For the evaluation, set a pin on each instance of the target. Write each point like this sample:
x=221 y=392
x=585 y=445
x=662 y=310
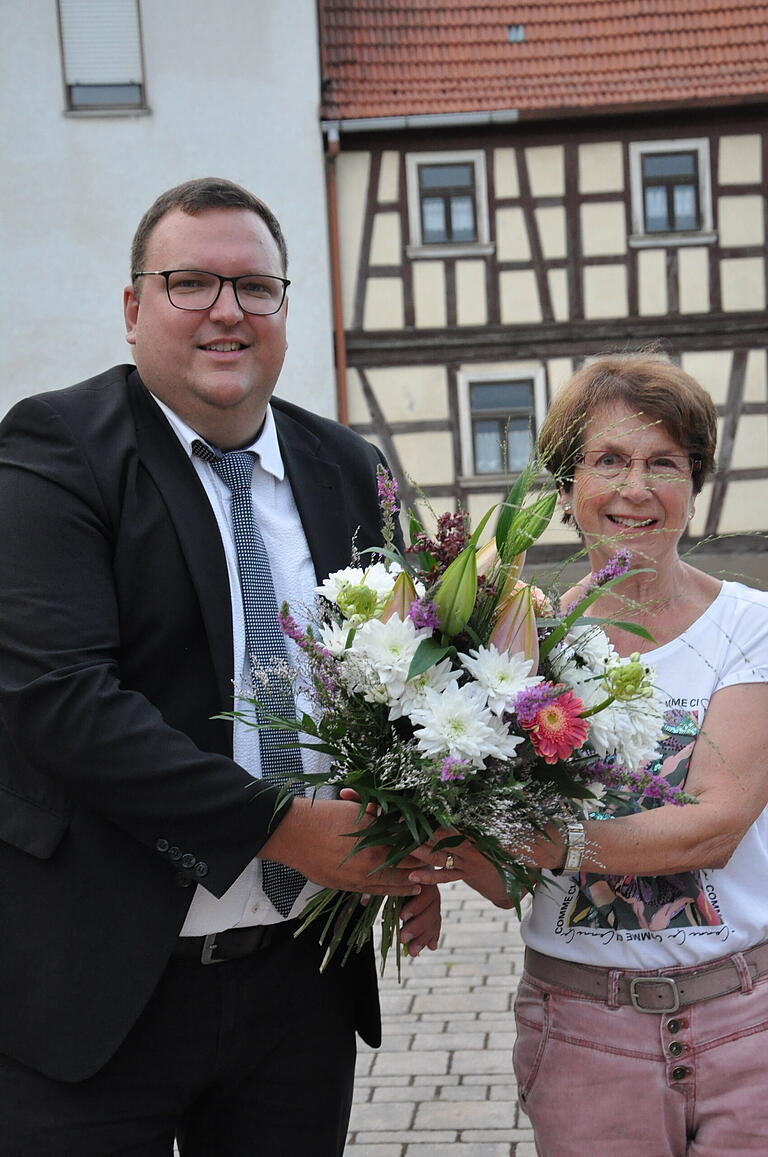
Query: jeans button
x=676 y=1049
x=679 y=1073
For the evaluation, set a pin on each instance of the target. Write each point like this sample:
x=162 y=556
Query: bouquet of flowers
x=450 y=694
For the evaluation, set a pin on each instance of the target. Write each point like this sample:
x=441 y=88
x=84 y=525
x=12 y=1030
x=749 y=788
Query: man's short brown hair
x=195 y=196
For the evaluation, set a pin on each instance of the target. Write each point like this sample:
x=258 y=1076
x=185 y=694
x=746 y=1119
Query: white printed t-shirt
x=647 y=922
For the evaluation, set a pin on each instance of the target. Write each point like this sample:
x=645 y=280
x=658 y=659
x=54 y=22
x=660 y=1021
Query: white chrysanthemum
x=376 y=577
x=377 y=662
x=590 y=643
x=456 y=722
x=630 y=731
x=435 y=678
x=334 y=637
x=500 y=675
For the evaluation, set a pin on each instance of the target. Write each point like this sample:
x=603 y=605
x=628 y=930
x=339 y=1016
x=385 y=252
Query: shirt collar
x=265 y=446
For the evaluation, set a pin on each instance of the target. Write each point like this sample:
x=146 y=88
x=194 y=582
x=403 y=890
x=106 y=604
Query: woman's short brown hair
x=647 y=383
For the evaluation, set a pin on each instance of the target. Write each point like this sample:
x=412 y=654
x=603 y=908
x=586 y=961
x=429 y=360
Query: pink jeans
x=613 y=1082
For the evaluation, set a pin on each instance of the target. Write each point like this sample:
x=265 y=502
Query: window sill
x=495 y=481
x=88 y=114
x=467 y=249
x=665 y=240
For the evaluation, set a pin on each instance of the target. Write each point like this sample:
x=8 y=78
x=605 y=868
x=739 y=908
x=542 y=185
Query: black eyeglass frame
x=166 y=273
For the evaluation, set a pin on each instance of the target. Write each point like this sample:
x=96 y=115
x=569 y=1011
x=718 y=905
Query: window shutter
x=101 y=42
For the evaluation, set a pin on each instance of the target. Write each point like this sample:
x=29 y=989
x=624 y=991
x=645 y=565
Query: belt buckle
x=633 y=995
x=208 y=949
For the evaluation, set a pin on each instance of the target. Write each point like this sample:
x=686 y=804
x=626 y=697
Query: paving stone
x=423 y=1041
x=481 y=1061
x=389 y=1064
x=477 y=1001
x=378 y=1150
x=467 y=1115
x=438 y=1137
x=377 y=1116
x=429 y=1092
x=460 y=1149
x=500 y=1136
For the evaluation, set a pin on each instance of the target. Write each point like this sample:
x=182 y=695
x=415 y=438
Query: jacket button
x=174 y=853
x=676 y=1048
x=162 y=846
x=673 y=1026
x=201 y=869
x=679 y=1073
x=184 y=881
x=187 y=860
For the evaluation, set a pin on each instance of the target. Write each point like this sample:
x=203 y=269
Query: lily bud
x=403 y=594
x=489 y=563
x=456 y=592
x=514 y=626
x=512 y=578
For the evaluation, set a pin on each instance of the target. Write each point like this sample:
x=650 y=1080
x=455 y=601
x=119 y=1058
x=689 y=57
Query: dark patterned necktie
x=265 y=647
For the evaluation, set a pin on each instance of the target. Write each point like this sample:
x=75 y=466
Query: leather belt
x=655 y=992
x=235 y=943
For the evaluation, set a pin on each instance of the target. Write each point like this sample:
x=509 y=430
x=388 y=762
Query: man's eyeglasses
x=661 y=467
x=258 y=293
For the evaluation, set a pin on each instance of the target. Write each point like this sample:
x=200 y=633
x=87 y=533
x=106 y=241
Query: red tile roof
x=384 y=58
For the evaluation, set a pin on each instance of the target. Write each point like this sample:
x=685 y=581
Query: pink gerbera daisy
x=557 y=728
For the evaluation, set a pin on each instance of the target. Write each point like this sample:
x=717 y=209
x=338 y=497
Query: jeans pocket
x=533 y=1018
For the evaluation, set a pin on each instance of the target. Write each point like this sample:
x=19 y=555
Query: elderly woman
x=642 y=1013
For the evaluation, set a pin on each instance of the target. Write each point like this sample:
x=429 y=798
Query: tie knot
x=235 y=468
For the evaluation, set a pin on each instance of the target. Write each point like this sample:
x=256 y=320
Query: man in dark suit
x=150 y=984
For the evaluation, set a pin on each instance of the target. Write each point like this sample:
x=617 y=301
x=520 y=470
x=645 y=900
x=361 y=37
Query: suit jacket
x=118 y=791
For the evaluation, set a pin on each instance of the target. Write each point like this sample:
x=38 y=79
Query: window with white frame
x=671 y=191
x=499 y=420
x=101 y=54
x=447 y=202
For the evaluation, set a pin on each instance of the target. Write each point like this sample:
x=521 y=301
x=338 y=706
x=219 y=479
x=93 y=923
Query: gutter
x=501 y=116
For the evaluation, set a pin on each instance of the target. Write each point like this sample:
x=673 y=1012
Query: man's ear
x=130 y=313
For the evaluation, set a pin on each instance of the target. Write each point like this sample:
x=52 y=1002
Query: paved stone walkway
x=443 y=1076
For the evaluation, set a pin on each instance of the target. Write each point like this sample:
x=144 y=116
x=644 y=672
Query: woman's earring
x=691 y=512
x=567 y=507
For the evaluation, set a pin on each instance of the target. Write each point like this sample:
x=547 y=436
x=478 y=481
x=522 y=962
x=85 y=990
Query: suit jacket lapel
x=190 y=511
x=318 y=491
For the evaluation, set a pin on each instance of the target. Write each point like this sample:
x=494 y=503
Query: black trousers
x=245 y=1058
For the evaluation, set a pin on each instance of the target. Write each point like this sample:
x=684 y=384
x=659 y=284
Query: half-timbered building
x=514 y=187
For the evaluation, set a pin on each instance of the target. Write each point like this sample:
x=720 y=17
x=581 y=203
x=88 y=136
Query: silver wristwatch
x=575 y=845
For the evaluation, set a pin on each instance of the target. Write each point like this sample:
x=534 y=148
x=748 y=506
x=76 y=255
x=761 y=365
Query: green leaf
x=415 y=528
x=428 y=653
x=531 y=524
x=394 y=555
x=512 y=506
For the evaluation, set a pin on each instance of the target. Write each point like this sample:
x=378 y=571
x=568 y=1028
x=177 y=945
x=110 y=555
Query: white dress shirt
x=293 y=575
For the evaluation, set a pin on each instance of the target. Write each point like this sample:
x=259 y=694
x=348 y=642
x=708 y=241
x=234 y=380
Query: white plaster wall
x=505 y=173
x=693 y=276
x=471 y=298
x=385 y=239
x=601 y=167
x=233 y=92
x=652 y=277
x=429 y=294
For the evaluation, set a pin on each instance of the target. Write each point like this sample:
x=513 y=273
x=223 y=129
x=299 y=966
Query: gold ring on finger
x=450 y=863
